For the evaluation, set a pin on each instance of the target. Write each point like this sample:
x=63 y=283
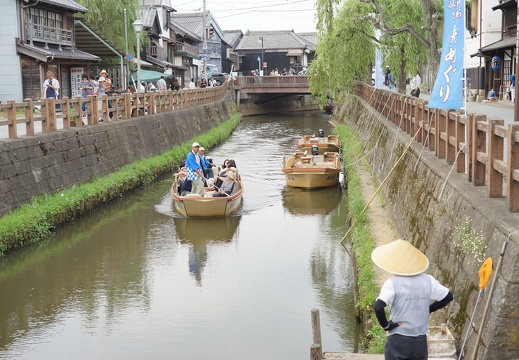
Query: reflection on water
x=198 y=233
x=134 y=281
x=318 y=201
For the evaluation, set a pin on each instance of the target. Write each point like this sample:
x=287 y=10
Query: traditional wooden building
x=39 y=37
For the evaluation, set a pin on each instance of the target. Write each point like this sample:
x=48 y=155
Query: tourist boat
x=313 y=171
x=193 y=205
x=330 y=143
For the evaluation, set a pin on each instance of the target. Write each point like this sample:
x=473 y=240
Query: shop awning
x=489 y=50
x=296 y=52
x=148 y=75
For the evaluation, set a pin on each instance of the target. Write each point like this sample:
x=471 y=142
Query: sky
x=297 y=15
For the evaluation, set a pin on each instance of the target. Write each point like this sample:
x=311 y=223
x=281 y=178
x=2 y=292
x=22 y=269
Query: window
x=44 y=18
x=472 y=16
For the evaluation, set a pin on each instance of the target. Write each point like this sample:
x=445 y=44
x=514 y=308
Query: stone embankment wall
x=446 y=216
x=49 y=162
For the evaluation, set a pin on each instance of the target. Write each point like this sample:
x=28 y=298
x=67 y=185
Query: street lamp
x=137 y=27
x=262 y=56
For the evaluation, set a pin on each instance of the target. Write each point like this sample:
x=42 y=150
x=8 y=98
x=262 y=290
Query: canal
x=134 y=280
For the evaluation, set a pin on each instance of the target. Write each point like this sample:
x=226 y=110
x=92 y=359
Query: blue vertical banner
x=448 y=87
x=379 y=74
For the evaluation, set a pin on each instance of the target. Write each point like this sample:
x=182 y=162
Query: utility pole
x=128 y=72
x=204 y=44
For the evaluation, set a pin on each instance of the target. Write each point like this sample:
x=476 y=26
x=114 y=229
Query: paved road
x=501 y=109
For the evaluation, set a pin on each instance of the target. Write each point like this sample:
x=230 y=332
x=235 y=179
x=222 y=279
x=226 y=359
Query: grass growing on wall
x=35 y=221
x=362 y=241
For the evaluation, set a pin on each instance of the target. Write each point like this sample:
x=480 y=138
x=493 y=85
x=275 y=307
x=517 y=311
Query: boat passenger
x=228 y=185
x=207 y=165
x=223 y=167
x=180 y=177
x=194 y=170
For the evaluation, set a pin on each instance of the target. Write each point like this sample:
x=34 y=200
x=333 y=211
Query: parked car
x=220 y=78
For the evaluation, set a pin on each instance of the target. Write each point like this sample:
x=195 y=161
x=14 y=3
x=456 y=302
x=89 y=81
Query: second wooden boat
x=312 y=171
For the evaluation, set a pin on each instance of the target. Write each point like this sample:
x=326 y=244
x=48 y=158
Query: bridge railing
x=485 y=149
x=50 y=115
x=278 y=81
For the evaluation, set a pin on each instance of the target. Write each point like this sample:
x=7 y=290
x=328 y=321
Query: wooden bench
x=306 y=159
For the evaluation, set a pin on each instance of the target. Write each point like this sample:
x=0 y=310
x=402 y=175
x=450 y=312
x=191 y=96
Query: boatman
x=194 y=170
x=408 y=294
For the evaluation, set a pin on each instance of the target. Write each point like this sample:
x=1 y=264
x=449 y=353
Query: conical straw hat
x=400 y=257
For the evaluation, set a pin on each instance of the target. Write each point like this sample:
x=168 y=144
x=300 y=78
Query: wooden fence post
x=11 y=119
x=461 y=131
x=479 y=145
x=29 y=117
x=512 y=185
x=66 y=113
x=495 y=152
x=441 y=133
x=316 y=329
x=315 y=352
x=450 y=132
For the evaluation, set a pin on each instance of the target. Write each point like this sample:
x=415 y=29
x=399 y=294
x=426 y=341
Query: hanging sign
x=448 y=87
x=495 y=63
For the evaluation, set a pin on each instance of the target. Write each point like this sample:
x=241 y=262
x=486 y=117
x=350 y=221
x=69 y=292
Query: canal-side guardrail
x=483 y=148
x=47 y=112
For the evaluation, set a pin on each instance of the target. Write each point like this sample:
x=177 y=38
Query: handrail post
x=11 y=119
x=479 y=144
x=29 y=118
x=512 y=185
x=460 y=140
x=51 y=111
x=495 y=152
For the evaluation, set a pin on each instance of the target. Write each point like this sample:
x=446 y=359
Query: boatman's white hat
x=195 y=144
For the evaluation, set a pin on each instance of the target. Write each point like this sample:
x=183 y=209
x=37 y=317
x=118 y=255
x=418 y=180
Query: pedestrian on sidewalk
x=50 y=88
x=408 y=293
x=107 y=86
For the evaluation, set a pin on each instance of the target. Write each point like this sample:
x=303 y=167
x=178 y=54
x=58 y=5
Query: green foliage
x=362 y=241
x=107 y=19
x=35 y=221
x=344 y=51
x=349 y=31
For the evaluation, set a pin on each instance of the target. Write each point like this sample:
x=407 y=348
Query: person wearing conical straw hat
x=408 y=293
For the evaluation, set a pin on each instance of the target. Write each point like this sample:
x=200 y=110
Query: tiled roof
x=193 y=23
x=232 y=37
x=158 y=3
x=66 y=4
x=55 y=53
x=148 y=17
x=310 y=37
x=190 y=22
x=273 y=40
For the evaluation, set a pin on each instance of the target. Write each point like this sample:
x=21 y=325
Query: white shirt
x=409 y=298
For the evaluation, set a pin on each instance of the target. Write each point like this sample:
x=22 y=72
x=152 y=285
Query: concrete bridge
x=268 y=94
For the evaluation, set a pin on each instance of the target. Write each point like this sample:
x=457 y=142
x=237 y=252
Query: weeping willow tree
x=107 y=19
x=345 y=49
x=406 y=31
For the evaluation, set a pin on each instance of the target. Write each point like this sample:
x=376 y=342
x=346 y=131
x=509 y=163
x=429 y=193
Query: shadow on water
x=318 y=201
x=199 y=233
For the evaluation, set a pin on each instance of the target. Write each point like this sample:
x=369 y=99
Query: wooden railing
x=36 y=32
x=125 y=106
x=488 y=151
x=279 y=81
